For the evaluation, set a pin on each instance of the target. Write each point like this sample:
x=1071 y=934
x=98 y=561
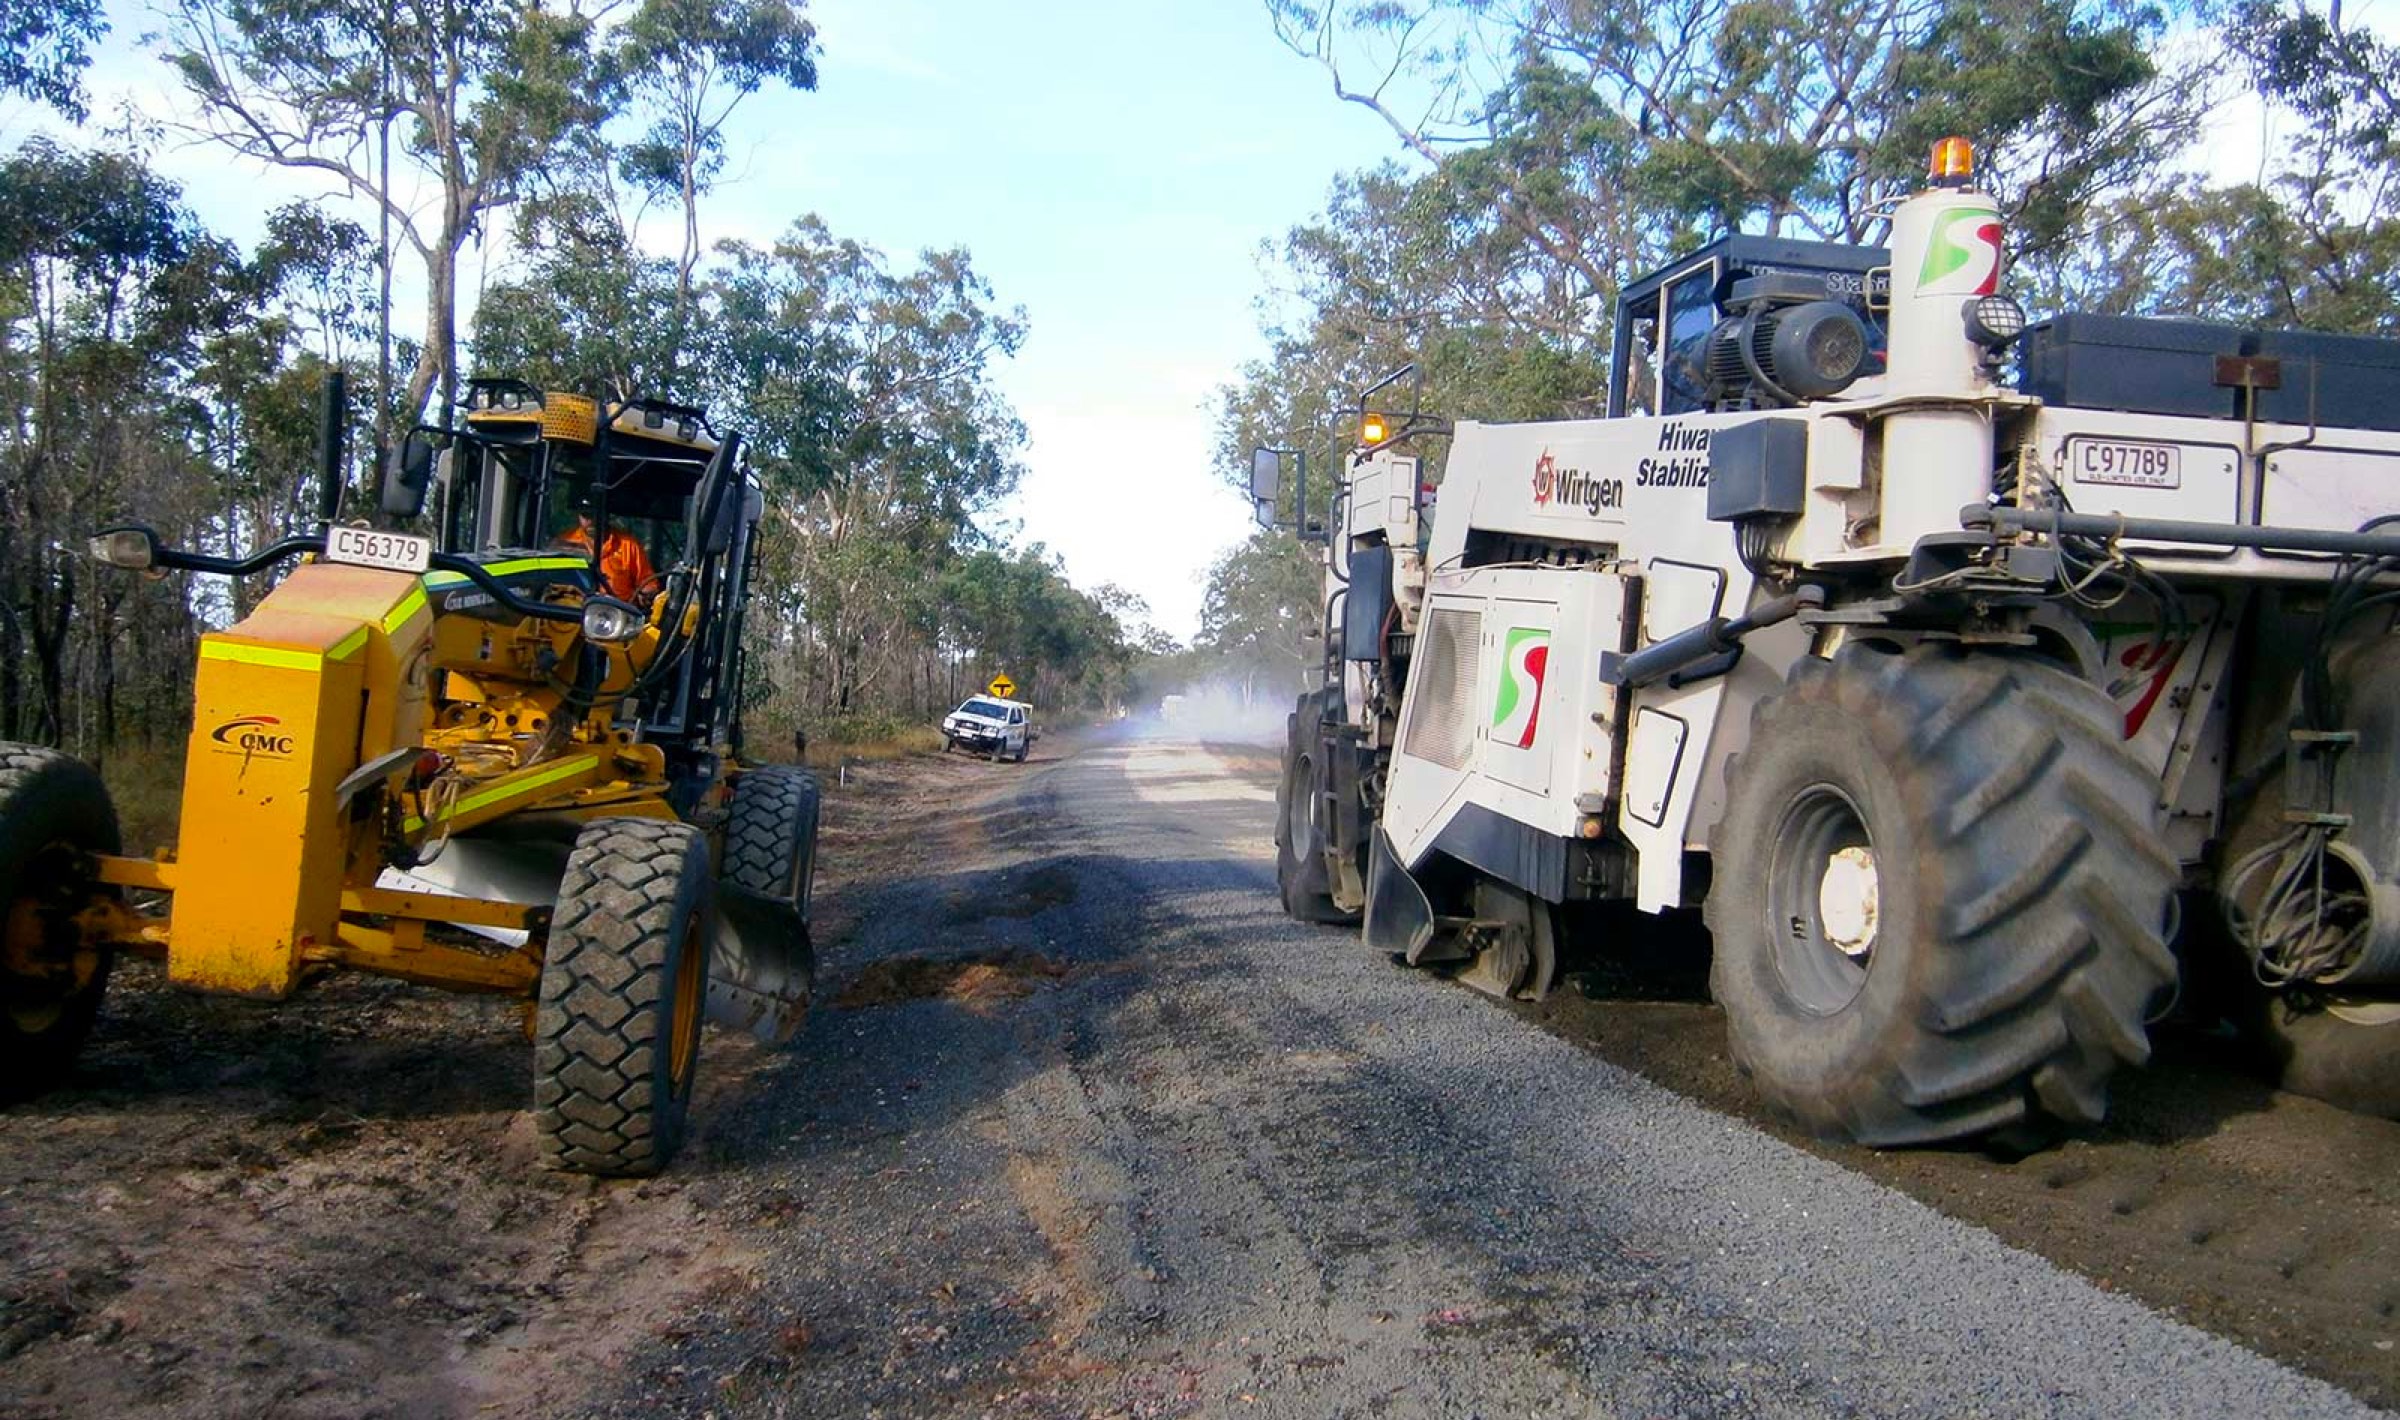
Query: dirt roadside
x=2262 y=1216
x=332 y=1207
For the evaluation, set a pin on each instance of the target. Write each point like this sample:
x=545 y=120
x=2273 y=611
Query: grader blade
x=762 y=969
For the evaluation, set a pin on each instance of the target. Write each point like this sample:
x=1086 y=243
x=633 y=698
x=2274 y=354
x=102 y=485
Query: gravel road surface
x=1103 y=1133
x=1085 y=1127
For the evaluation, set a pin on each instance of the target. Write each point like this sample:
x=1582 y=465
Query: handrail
x=275 y=552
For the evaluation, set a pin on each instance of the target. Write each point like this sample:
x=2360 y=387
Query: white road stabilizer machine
x=1987 y=717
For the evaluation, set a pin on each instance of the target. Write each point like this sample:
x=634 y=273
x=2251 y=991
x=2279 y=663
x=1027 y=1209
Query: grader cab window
x=1681 y=355
x=485 y=504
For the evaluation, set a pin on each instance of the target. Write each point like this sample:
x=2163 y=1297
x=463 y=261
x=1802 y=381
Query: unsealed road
x=1227 y=1165
x=1088 y=1128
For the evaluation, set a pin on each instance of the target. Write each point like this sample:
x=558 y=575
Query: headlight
x=1994 y=321
x=134 y=549
x=609 y=621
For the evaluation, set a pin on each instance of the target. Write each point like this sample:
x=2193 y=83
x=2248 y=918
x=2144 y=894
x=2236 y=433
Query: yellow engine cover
x=326 y=673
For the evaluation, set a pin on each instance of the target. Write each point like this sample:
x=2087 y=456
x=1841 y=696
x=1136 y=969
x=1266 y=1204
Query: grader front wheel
x=623 y=990
x=53 y=812
x=1938 y=897
x=771 y=834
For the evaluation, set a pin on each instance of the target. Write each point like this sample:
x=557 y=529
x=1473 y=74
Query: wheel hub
x=691 y=985
x=1824 y=896
x=1848 y=901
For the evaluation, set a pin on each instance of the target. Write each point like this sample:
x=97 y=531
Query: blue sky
x=1112 y=165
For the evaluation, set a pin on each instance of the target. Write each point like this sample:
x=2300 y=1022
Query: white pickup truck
x=1000 y=728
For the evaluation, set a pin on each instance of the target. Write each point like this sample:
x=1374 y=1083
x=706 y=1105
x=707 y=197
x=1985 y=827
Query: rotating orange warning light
x=1953 y=161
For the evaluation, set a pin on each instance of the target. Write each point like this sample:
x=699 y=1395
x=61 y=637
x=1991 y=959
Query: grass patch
x=852 y=738
x=826 y=754
x=146 y=785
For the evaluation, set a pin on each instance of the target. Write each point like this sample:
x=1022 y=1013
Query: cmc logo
x=254 y=734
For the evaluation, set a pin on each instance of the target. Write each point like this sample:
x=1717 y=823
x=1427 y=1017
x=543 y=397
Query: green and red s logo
x=1524 y=658
x=1962 y=256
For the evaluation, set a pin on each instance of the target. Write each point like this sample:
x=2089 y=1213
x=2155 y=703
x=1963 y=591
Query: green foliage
x=480 y=99
x=45 y=45
x=2345 y=82
x=149 y=372
x=1261 y=620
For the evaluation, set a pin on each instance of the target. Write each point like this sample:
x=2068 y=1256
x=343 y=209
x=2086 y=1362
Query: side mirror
x=1266 y=484
x=133 y=547
x=407 y=473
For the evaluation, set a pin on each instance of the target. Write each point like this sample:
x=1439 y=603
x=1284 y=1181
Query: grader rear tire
x=53 y=810
x=771 y=834
x=1938 y=897
x=624 y=982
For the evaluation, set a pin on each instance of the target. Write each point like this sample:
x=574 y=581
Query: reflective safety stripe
x=409 y=606
x=282 y=657
x=244 y=654
x=566 y=769
x=510 y=569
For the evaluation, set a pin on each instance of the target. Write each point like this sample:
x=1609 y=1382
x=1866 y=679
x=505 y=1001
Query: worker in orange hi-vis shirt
x=625 y=571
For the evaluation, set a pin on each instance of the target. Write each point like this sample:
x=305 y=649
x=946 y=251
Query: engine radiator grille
x=1441 y=724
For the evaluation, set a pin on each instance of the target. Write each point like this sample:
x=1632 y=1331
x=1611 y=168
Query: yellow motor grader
x=466 y=761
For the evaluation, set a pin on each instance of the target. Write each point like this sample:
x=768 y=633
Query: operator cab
x=528 y=461
x=1665 y=321
x=531 y=459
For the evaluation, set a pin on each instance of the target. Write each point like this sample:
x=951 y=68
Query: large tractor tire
x=1938 y=897
x=624 y=986
x=53 y=812
x=771 y=834
x=1300 y=873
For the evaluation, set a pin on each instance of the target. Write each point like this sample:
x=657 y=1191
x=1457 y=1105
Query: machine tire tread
x=1301 y=877
x=771 y=834
x=2035 y=972
x=47 y=796
x=604 y=1016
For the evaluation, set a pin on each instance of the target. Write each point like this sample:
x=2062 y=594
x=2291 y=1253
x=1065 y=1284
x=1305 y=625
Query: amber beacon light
x=1953 y=162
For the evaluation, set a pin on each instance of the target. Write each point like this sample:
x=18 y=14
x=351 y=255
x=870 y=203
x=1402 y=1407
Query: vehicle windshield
x=990 y=709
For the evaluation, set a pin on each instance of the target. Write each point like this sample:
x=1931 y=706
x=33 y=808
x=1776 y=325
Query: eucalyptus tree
x=477 y=98
x=688 y=65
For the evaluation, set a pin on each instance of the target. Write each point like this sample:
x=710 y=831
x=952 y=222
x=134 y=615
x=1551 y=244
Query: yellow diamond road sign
x=1003 y=687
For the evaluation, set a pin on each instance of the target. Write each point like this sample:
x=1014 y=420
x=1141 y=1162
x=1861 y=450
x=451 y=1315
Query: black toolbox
x=2149 y=365
x=2139 y=364
x=2355 y=380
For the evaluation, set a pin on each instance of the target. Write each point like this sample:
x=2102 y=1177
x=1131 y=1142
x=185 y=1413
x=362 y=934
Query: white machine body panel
x=1534 y=514
x=1505 y=709
x=2191 y=470
x=1625 y=501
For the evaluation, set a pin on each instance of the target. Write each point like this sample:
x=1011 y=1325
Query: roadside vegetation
x=154 y=370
